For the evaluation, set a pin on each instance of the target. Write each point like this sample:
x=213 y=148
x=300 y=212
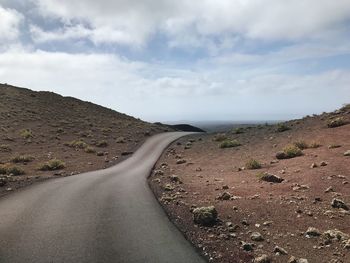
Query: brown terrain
x=45 y=135
x=256 y=217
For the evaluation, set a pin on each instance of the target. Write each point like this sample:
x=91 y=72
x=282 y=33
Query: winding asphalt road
x=109 y=215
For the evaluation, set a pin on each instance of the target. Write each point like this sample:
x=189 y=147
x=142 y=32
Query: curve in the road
x=109 y=215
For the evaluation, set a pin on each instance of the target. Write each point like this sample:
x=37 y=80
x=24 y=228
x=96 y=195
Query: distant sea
x=222 y=126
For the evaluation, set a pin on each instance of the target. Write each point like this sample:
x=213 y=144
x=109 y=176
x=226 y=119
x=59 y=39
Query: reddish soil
x=54 y=121
x=209 y=169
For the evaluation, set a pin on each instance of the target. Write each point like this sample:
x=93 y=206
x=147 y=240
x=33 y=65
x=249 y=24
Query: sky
x=198 y=60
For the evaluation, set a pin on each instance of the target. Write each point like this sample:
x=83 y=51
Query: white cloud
x=189 y=22
x=173 y=93
x=10 y=21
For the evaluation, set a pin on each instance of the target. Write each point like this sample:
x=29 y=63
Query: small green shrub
x=292 y=151
x=5 y=148
x=90 y=149
x=333 y=146
x=281 y=127
x=337 y=122
x=15 y=170
x=22 y=159
x=229 y=143
x=11 y=170
x=77 y=144
x=301 y=145
x=106 y=130
x=120 y=140
x=102 y=143
x=253 y=164
x=346 y=107
x=52 y=165
x=220 y=137
x=26 y=134
x=314 y=144
x=239 y=130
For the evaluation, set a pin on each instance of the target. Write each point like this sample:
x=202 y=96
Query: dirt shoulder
x=71 y=135
x=278 y=220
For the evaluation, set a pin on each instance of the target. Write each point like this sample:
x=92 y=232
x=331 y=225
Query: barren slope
x=258 y=214
x=37 y=127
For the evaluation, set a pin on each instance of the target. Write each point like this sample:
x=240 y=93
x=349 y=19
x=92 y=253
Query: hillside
x=43 y=135
x=265 y=193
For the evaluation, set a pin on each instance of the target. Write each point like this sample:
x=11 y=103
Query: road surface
x=109 y=215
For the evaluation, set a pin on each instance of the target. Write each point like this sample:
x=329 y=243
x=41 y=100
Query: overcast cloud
x=175 y=60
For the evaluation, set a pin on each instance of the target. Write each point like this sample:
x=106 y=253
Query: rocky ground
x=237 y=202
x=44 y=135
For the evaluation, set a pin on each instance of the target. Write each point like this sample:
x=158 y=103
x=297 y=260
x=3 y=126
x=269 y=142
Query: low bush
x=77 y=144
x=11 y=170
x=301 y=144
x=337 y=122
x=253 y=164
x=90 y=149
x=5 y=148
x=333 y=146
x=229 y=144
x=22 y=159
x=238 y=130
x=52 y=165
x=26 y=134
x=281 y=127
x=314 y=144
x=102 y=143
x=220 y=137
x=292 y=151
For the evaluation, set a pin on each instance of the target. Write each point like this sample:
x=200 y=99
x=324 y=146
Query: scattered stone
x=168 y=187
x=229 y=224
x=233 y=228
x=245 y=222
x=347 y=153
x=280 y=250
x=267 y=223
x=312 y=232
x=157 y=180
x=174 y=178
x=262 y=259
x=225 y=187
x=256 y=236
x=271 y=178
x=224 y=196
x=3 y=181
x=329 y=189
x=205 y=216
x=180 y=161
x=337 y=203
x=323 y=163
x=347 y=244
x=158 y=173
x=313 y=165
x=247 y=246
x=298 y=187
x=335 y=234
